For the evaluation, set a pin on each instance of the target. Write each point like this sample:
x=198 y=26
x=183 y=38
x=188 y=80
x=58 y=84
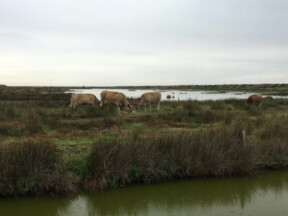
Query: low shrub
x=275 y=127
x=5 y=128
x=8 y=112
x=192 y=107
x=254 y=110
x=272 y=153
x=9 y=129
x=32 y=122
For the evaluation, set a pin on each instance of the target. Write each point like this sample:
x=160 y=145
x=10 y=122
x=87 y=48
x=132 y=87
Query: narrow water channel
x=262 y=194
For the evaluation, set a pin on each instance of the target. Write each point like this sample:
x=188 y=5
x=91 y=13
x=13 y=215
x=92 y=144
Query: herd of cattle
x=118 y=98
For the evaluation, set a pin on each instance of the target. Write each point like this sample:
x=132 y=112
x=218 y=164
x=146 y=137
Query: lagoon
x=175 y=94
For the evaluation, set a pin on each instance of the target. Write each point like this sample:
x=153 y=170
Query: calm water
x=264 y=194
x=175 y=95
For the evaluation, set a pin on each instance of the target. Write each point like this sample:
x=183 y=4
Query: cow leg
x=74 y=105
x=145 y=107
x=150 y=106
x=71 y=103
x=159 y=106
x=119 y=111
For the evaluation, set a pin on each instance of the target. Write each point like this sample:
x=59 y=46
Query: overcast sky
x=147 y=42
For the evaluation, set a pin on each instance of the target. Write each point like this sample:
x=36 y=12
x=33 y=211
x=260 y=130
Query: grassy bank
x=44 y=147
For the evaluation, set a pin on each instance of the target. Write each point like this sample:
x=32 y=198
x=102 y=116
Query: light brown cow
x=118 y=98
x=254 y=99
x=150 y=98
x=81 y=99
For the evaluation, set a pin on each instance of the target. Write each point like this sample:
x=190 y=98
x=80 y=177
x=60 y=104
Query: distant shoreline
x=266 y=89
x=224 y=86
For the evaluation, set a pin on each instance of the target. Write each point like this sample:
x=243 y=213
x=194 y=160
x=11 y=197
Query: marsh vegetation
x=47 y=149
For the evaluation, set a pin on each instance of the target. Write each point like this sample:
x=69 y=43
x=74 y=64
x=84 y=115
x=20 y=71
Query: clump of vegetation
x=31 y=167
x=153 y=157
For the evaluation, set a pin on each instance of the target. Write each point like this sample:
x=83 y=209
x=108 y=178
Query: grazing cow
x=118 y=98
x=81 y=99
x=254 y=99
x=148 y=98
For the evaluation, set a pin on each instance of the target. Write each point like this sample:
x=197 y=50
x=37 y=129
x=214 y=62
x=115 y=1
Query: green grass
x=47 y=130
x=74 y=145
x=9 y=140
x=135 y=125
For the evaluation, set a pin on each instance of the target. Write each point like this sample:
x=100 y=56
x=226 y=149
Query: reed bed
x=154 y=156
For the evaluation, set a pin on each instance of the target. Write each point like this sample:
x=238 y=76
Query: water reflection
x=256 y=195
x=189 y=196
x=45 y=206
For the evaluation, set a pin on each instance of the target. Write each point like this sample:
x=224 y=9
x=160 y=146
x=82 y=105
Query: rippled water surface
x=263 y=194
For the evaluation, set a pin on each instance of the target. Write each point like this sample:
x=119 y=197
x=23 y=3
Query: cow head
x=129 y=108
x=136 y=106
x=249 y=101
